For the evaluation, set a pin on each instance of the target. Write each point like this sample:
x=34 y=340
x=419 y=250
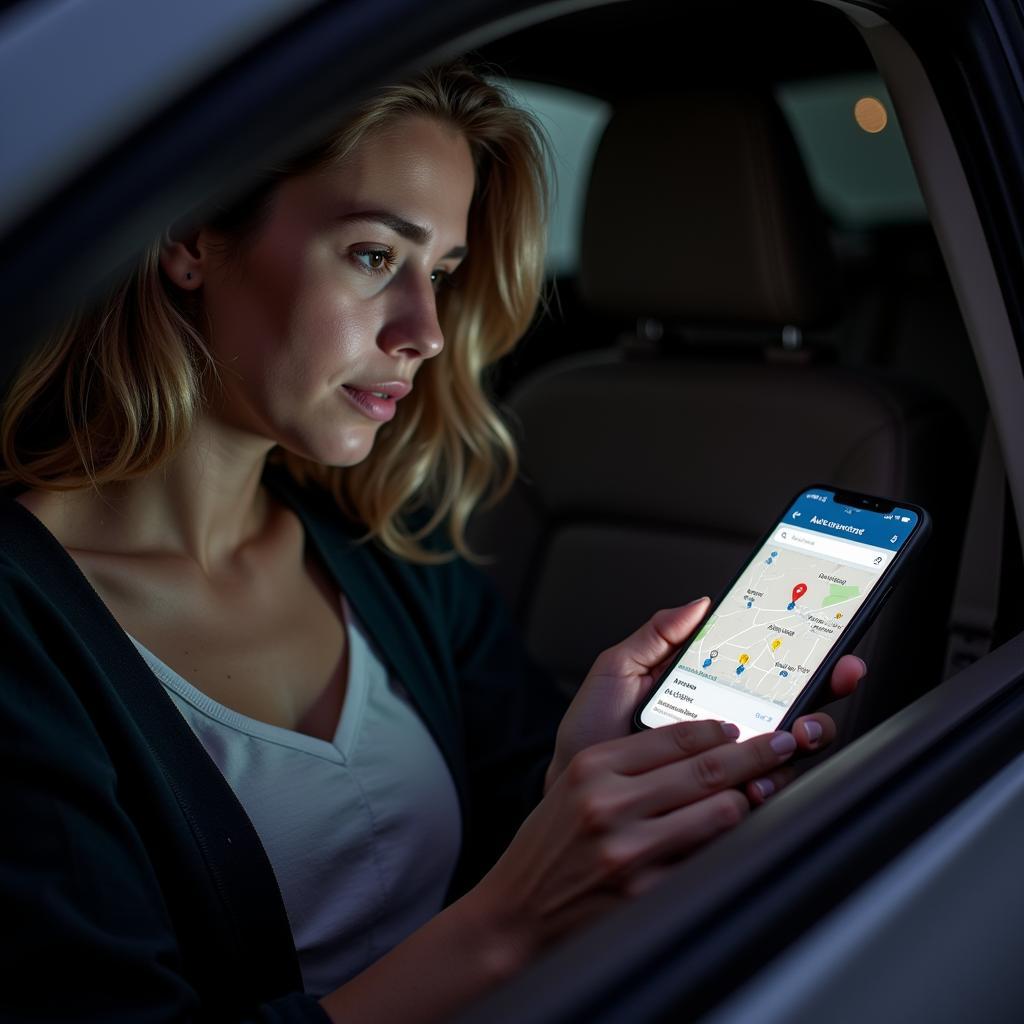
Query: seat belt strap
x=976 y=598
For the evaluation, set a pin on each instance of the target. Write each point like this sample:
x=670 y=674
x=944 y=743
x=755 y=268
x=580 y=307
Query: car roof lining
x=657 y=48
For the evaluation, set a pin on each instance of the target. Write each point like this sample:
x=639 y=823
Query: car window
x=844 y=126
x=853 y=149
x=574 y=123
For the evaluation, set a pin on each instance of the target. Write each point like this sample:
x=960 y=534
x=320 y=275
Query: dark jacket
x=134 y=887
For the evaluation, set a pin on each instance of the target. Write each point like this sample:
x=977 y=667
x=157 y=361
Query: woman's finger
x=849 y=671
x=673 y=835
x=645 y=751
x=653 y=642
x=718 y=768
x=645 y=879
x=767 y=786
x=814 y=732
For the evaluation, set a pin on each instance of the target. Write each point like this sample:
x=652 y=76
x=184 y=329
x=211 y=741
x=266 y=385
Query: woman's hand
x=615 y=819
x=623 y=675
x=613 y=822
x=621 y=807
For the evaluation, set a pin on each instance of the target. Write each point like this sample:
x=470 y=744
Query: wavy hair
x=116 y=389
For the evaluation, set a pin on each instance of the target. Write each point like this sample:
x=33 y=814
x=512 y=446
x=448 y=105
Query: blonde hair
x=116 y=389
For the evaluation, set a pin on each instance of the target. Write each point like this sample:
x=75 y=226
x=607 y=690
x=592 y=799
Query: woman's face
x=324 y=317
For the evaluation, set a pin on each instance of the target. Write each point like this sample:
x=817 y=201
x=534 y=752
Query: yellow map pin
x=776 y=644
x=839 y=615
x=744 y=658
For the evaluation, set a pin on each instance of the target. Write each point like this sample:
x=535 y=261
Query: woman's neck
x=204 y=505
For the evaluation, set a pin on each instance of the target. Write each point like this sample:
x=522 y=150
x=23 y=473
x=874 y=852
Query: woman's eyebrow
x=401 y=226
x=405 y=228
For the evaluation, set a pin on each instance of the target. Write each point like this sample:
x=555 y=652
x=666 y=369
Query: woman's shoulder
x=36 y=571
x=39 y=513
x=23 y=527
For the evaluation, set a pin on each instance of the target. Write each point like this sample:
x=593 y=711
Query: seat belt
x=976 y=598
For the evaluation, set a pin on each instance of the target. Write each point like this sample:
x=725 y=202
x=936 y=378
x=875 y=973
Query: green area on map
x=836 y=593
x=707 y=626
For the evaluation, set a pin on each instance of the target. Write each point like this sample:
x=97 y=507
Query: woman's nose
x=412 y=328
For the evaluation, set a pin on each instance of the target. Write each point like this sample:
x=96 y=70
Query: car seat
x=650 y=469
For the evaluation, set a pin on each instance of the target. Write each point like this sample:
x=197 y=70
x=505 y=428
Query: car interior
x=651 y=456
x=723 y=340
x=752 y=289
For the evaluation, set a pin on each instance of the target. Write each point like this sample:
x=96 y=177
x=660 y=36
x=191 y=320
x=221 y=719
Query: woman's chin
x=353 y=447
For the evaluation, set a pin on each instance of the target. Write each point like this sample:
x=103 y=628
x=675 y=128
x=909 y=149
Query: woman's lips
x=378 y=401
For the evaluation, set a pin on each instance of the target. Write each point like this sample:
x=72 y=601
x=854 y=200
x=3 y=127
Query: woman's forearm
x=452 y=960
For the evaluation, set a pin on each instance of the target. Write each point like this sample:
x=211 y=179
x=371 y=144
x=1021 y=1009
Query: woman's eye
x=440 y=278
x=375 y=261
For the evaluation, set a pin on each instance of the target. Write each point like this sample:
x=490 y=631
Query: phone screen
x=789 y=607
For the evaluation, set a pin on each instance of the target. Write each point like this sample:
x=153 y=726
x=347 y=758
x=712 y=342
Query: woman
x=205 y=568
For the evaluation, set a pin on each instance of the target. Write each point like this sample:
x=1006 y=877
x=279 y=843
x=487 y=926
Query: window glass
x=574 y=123
x=862 y=176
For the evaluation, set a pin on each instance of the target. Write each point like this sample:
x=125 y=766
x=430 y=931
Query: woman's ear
x=183 y=256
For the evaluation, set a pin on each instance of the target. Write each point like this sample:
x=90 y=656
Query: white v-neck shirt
x=363 y=832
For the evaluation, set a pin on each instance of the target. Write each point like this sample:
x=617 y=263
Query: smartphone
x=764 y=654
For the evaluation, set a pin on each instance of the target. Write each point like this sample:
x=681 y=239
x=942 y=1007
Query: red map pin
x=798 y=591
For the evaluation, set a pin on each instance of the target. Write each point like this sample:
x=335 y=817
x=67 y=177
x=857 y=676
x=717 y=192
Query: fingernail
x=782 y=743
x=730 y=730
x=697 y=600
x=813 y=732
x=765 y=787
x=863 y=667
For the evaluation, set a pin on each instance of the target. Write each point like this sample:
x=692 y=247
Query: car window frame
x=928 y=757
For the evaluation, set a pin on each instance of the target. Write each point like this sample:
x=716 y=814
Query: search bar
x=833 y=547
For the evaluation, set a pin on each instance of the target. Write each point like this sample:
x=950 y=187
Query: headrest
x=699 y=209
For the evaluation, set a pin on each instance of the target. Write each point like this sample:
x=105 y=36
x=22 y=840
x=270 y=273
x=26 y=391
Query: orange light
x=870 y=115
